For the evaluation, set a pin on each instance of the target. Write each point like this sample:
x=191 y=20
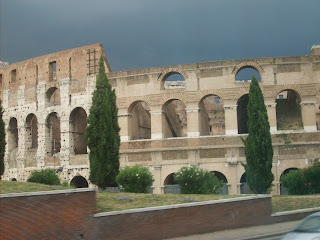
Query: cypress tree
x=2 y=141
x=258 y=145
x=102 y=133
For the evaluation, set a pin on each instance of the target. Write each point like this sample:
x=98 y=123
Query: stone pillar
x=41 y=95
x=272 y=116
x=158 y=188
x=308 y=114
x=232 y=155
x=41 y=151
x=124 y=121
x=6 y=154
x=64 y=91
x=157 y=124
x=231 y=120
x=21 y=96
x=21 y=143
x=193 y=122
x=65 y=150
x=5 y=100
x=276 y=182
x=91 y=85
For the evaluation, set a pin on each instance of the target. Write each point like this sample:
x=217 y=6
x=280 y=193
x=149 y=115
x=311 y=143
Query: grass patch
x=107 y=201
x=18 y=187
x=292 y=202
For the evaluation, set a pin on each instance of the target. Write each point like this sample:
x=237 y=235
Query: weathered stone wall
x=193 y=130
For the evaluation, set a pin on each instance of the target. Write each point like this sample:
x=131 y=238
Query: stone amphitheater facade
x=165 y=124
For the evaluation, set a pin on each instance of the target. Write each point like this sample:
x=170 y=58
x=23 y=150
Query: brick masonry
x=66 y=214
x=71 y=214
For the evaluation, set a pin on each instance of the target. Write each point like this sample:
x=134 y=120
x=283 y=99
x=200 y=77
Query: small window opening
x=13 y=76
x=37 y=74
x=174 y=80
x=53 y=71
x=245 y=74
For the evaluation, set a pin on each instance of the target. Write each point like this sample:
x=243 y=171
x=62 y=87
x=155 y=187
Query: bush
x=302 y=181
x=193 y=180
x=45 y=176
x=293 y=182
x=134 y=179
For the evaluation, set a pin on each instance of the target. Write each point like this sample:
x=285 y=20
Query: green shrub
x=134 y=179
x=302 y=181
x=311 y=177
x=193 y=180
x=293 y=182
x=45 y=176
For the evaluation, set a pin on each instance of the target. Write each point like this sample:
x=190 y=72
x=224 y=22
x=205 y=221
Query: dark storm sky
x=149 y=33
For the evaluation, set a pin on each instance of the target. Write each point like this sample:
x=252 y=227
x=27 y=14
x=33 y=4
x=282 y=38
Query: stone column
x=21 y=143
x=21 y=96
x=232 y=158
x=64 y=91
x=158 y=189
x=91 y=85
x=231 y=120
x=272 y=116
x=157 y=124
x=193 y=122
x=124 y=121
x=41 y=95
x=5 y=100
x=6 y=154
x=308 y=114
x=65 y=150
x=41 y=151
x=276 y=182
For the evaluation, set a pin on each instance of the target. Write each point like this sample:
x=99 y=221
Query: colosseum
x=173 y=116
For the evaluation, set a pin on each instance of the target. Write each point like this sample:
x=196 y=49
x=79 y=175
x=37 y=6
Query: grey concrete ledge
x=182 y=205
x=41 y=193
x=306 y=210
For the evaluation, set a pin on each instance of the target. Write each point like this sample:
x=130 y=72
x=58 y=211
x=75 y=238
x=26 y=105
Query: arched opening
x=174 y=119
x=14 y=180
x=13 y=143
x=242 y=114
x=246 y=73
x=283 y=190
x=170 y=186
x=169 y=179
x=173 y=80
x=222 y=178
x=53 y=137
x=288 y=110
x=244 y=187
x=140 y=121
x=31 y=141
x=78 y=123
x=212 y=118
x=31 y=132
x=13 y=134
x=53 y=97
x=79 y=182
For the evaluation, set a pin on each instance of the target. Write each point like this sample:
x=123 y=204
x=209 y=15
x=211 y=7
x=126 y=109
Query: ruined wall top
x=315 y=50
x=73 y=64
x=3 y=64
